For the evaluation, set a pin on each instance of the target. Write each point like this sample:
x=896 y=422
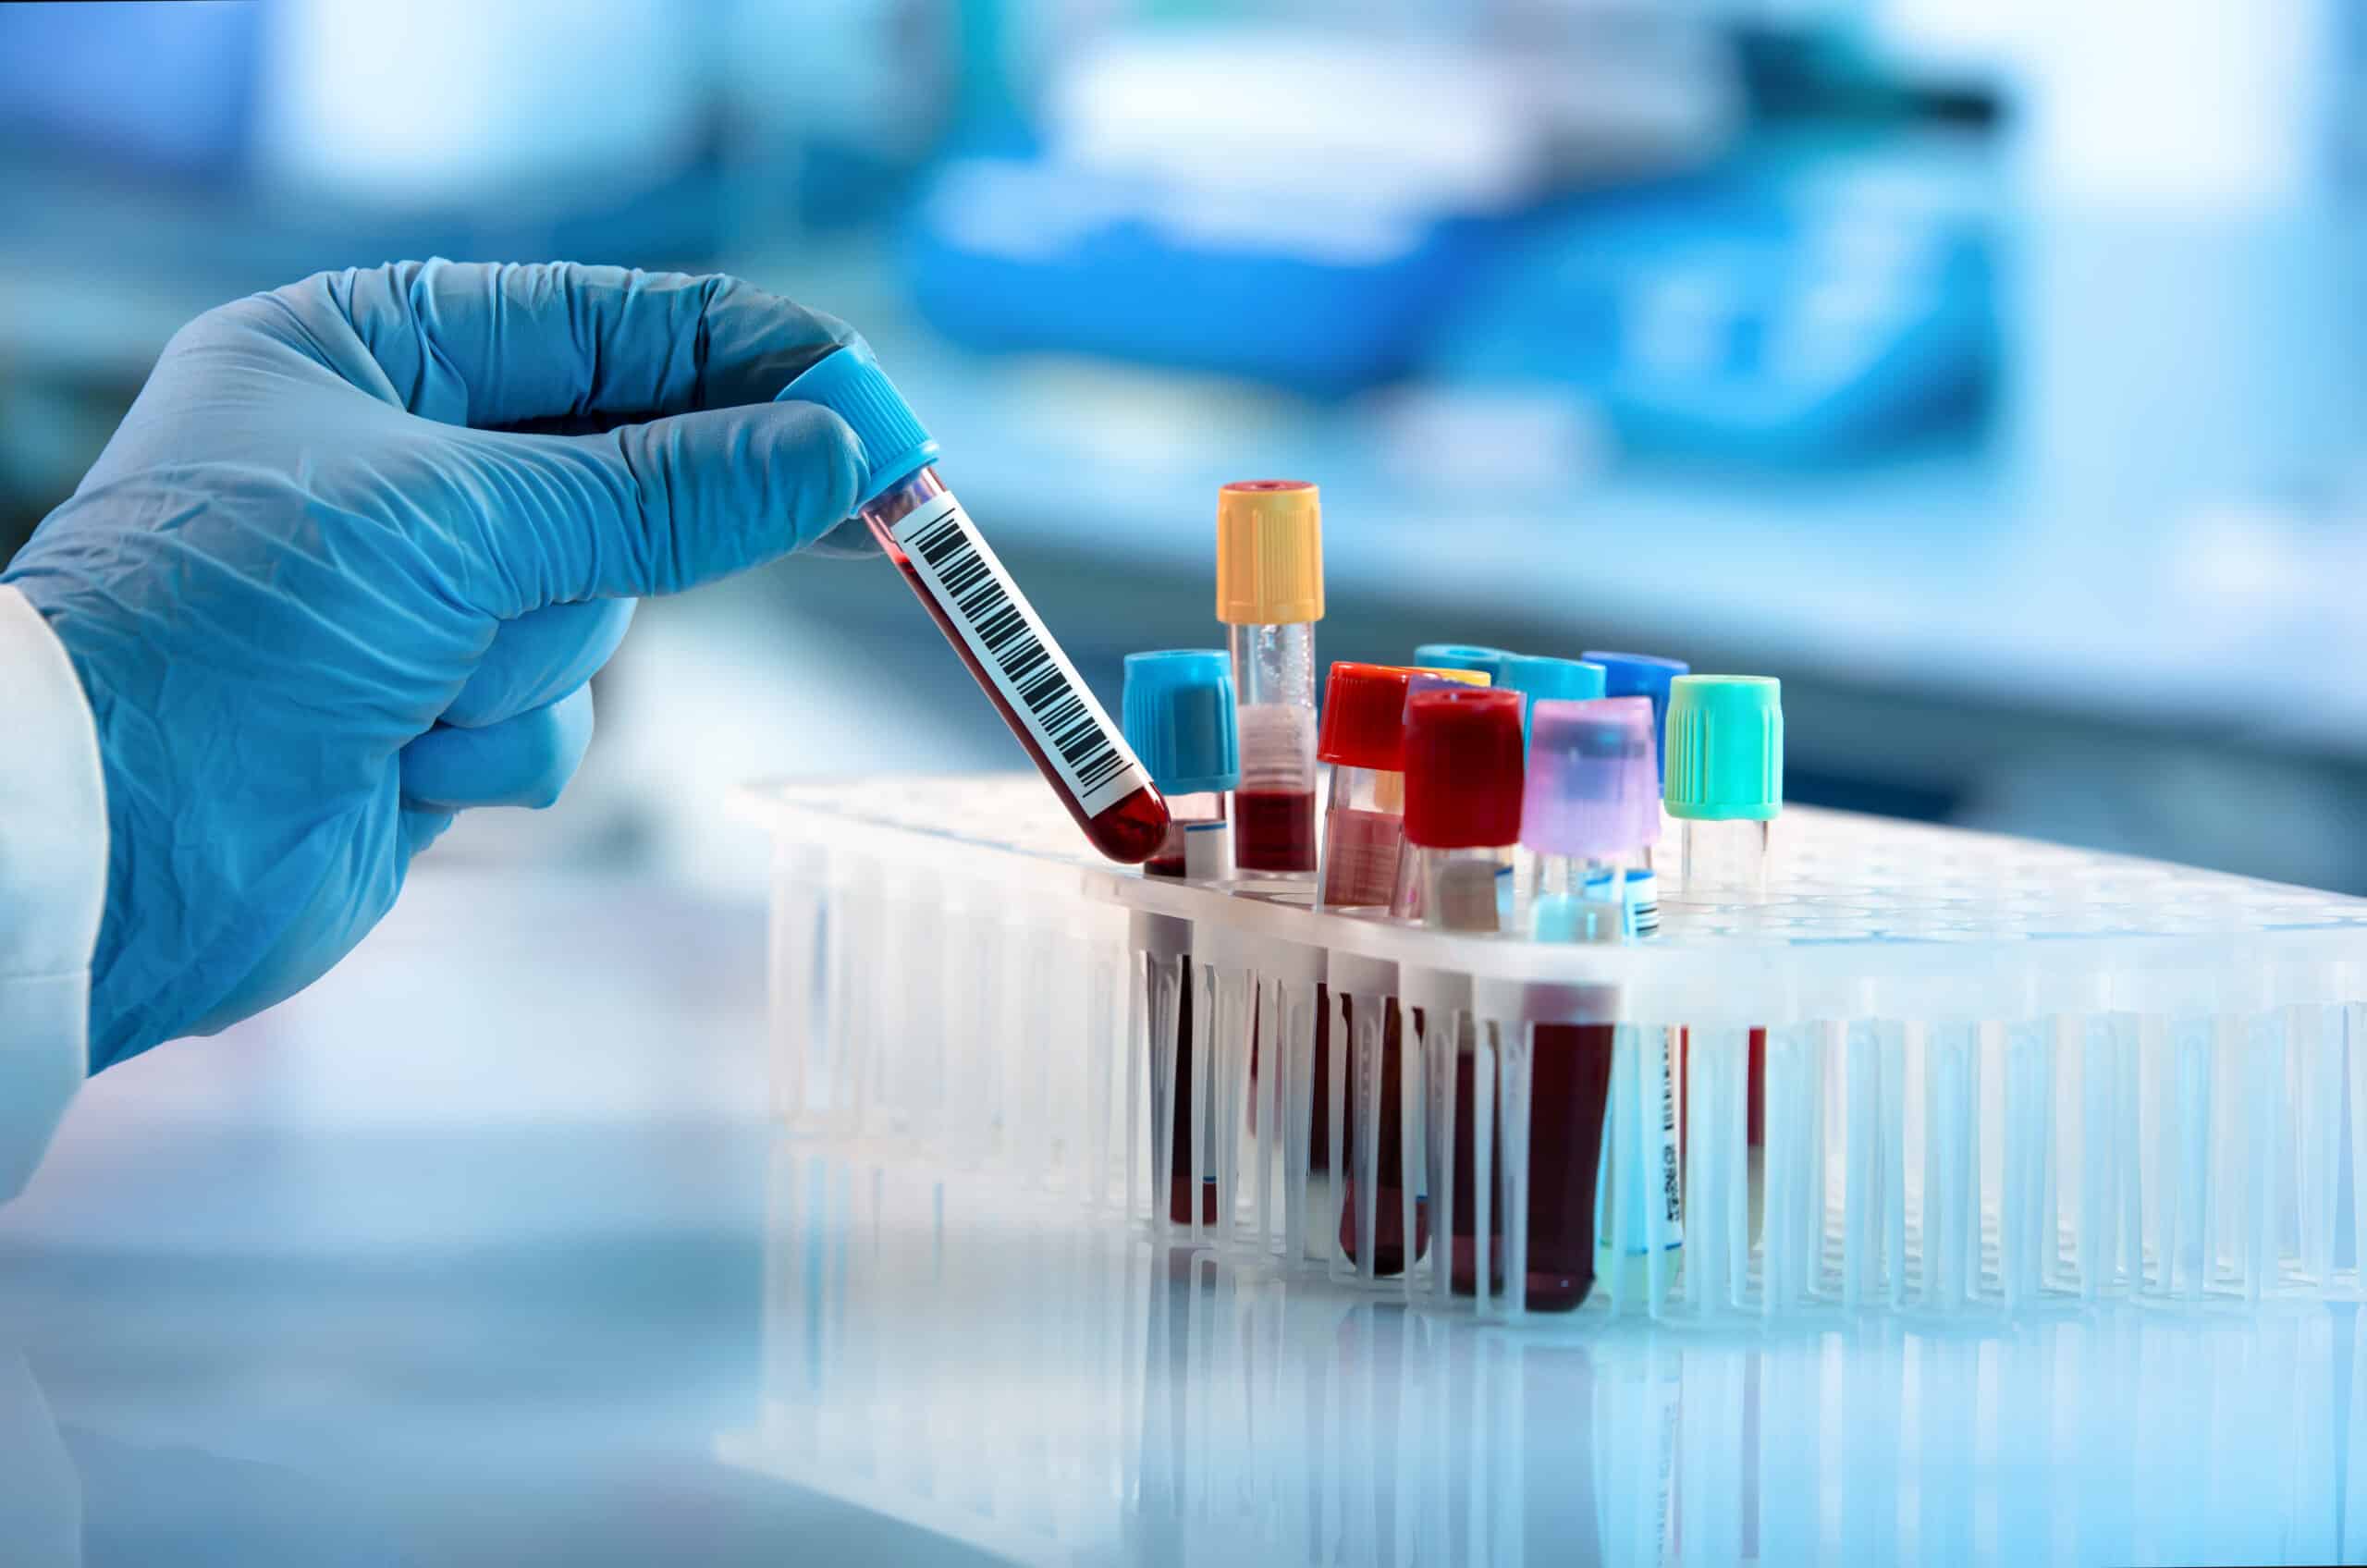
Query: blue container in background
x=1010 y=253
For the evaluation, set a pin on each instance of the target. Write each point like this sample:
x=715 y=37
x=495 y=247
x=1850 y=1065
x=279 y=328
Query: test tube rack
x=1998 y=1074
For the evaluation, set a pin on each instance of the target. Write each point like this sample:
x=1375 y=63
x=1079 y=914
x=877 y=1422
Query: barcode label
x=1002 y=629
x=1644 y=903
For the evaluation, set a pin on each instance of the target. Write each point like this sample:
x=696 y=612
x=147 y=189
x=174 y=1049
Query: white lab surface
x=484 y=1251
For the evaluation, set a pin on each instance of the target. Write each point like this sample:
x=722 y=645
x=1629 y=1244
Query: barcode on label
x=1011 y=645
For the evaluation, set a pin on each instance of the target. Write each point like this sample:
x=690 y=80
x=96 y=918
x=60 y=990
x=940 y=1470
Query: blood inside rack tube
x=1388 y=1256
x=1274 y=829
x=1269 y=594
x=1569 y=1090
x=1179 y=1185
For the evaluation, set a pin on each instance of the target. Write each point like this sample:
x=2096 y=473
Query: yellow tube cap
x=1270 y=552
x=1465 y=677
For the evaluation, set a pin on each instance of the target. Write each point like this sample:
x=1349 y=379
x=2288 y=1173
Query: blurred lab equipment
x=1755 y=317
x=1290 y=205
x=441 y=103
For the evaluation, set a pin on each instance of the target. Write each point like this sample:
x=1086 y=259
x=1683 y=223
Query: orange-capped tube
x=1269 y=594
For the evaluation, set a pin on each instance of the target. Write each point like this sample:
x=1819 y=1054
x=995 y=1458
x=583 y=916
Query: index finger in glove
x=495 y=346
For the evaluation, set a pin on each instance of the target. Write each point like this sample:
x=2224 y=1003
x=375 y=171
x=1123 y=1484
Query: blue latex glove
x=335 y=580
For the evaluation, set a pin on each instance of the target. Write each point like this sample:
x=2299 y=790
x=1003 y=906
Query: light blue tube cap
x=1642 y=674
x=1177 y=711
x=1462 y=655
x=1542 y=680
x=851 y=384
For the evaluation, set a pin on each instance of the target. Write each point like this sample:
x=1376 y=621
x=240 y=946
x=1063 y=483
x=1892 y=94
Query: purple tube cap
x=1594 y=788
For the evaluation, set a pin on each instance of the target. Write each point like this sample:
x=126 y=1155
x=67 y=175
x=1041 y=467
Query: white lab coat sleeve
x=53 y=883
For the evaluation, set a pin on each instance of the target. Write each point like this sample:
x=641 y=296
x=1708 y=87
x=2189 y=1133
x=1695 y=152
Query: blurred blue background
x=1993 y=374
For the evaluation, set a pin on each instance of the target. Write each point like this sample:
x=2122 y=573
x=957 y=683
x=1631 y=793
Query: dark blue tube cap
x=1641 y=675
x=851 y=384
x=1177 y=714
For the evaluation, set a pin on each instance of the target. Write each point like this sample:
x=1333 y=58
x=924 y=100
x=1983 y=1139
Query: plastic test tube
x=980 y=610
x=1593 y=804
x=1724 y=788
x=1724 y=783
x=1463 y=797
x=1405 y=901
x=1269 y=593
x=1179 y=716
x=1463 y=804
x=1363 y=738
x=1462 y=781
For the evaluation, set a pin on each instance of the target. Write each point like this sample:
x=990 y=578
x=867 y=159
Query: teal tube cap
x=1178 y=714
x=1726 y=748
x=851 y=384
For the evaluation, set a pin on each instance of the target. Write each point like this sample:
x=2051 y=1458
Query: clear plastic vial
x=1364 y=824
x=1269 y=594
x=1179 y=711
x=989 y=623
x=1178 y=708
x=1462 y=801
x=1724 y=783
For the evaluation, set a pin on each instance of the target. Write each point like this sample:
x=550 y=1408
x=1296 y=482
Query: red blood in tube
x=1128 y=831
x=1179 y=1172
x=1756 y=1110
x=1273 y=830
x=1389 y=1217
x=1569 y=1089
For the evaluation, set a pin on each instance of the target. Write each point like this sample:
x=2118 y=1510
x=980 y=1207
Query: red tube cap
x=1463 y=769
x=1364 y=717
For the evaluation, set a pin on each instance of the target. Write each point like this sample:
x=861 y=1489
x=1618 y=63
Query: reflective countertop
x=483 y=1252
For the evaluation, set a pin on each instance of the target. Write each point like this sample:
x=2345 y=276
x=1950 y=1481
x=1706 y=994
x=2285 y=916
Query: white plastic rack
x=1994 y=1074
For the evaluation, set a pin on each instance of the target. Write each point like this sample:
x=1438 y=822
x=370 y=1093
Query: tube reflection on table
x=1053 y=1391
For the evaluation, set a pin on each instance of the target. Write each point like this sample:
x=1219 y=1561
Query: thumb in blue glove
x=337 y=578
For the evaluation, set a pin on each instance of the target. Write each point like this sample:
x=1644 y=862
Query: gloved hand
x=335 y=580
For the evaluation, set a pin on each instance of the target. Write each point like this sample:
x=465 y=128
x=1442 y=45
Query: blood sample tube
x=980 y=610
x=1461 y=656
x=1470 y=759
x=1269 y=592
x=1593 y=803
x=1364 y=740
x=1462 y=801
x=1179 y=716
x=1405 y=900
